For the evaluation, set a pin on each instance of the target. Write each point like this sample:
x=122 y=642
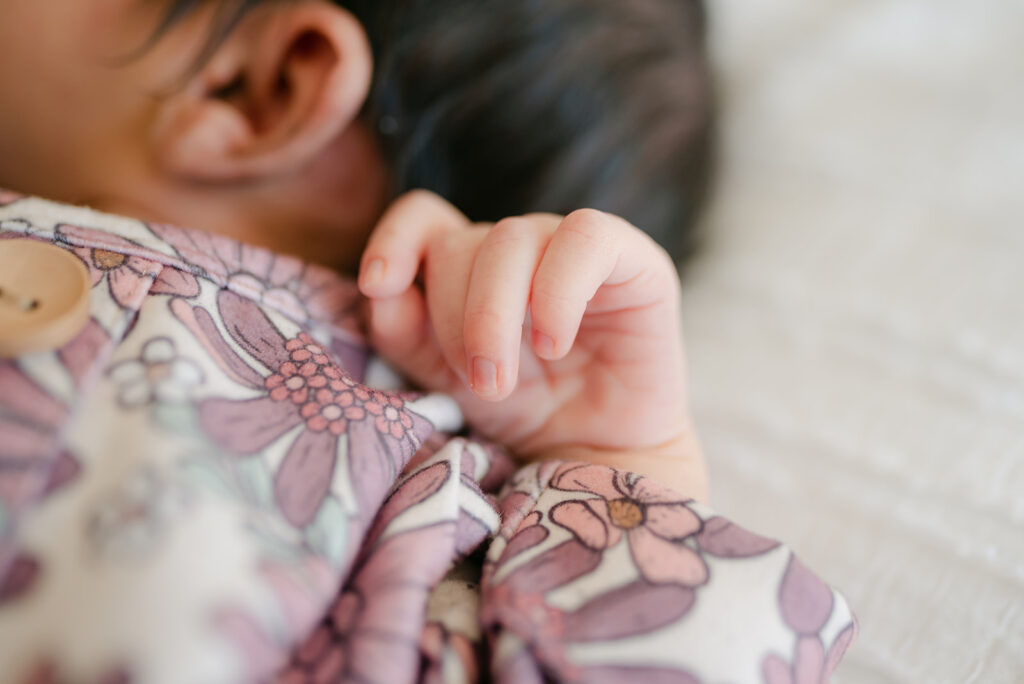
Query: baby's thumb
x=402 y=336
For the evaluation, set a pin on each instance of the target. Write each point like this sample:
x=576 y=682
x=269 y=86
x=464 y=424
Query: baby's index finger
x=397 y=246
x=497 y=299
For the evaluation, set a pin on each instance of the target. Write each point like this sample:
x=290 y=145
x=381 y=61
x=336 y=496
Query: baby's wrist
x=677 y=463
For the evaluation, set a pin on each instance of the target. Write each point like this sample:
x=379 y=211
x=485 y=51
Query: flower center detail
x=625 y=513
x=107 y=261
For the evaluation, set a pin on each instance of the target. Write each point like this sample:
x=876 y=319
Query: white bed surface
x=856 y=324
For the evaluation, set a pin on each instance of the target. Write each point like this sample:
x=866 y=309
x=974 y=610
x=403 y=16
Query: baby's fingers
x=591 y=249
x=401 y=334
x=497 y=299
x=398 y=244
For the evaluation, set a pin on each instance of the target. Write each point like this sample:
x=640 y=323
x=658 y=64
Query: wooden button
x=44 y=297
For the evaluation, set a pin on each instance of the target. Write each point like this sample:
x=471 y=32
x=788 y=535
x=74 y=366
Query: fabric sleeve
x=599 y=575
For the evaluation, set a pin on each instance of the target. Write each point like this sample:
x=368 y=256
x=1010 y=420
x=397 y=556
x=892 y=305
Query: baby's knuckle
x=587 y=216
x=511 y=229
x=592 y=225
x=419 y=198
x=550 y=301
x=482 y=320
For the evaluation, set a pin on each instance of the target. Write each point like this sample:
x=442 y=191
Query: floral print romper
x=216 y=481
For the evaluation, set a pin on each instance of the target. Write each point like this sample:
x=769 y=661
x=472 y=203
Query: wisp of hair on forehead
x=506 y=107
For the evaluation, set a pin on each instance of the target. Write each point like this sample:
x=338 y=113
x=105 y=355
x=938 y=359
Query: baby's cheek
x=70 y=90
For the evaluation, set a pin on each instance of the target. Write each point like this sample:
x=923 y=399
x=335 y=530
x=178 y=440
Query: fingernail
x=374 y=272
x=542 y=344
x=485 y=376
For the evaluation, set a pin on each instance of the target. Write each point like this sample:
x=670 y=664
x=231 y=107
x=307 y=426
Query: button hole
x=20 y=303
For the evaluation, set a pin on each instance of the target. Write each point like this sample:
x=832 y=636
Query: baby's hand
x=558 y=337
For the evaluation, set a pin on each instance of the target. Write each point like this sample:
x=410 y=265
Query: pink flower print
x=332 y=412
x=654 y=521
x=301 y=386
x=310 y=379
x=303 y=349
x=131 y=270
x=390 y=415
x=129 y=278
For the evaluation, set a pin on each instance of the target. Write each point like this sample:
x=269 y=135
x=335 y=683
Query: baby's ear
x=283 y=85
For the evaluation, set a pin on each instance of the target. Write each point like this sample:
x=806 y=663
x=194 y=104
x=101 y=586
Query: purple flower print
x=303 y=291
x=29 y=423
x=518 y=604
x=31 y=463
x=530 y=533
x=806 y=604
x=524 y=486
x=301 y=591
x=725 y=539
x=300 y=386
x=654 y=521
x=372 y=633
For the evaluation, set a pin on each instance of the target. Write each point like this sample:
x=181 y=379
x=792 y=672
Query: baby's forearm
x=678 y=463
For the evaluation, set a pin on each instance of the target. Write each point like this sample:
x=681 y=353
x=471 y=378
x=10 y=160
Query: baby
x=208 y=480
x=291 y=124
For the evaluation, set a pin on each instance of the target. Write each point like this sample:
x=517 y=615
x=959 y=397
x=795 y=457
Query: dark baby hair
x=506 y=107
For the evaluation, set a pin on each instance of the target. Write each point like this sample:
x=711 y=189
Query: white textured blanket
x=856 y=324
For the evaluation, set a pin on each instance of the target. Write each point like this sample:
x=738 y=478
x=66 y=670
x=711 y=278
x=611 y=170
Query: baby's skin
x=262 y=141
x=559 y=337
